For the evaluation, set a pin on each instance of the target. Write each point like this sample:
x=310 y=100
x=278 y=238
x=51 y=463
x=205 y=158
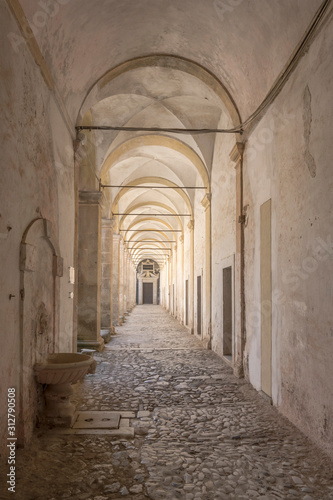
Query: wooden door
x=148 y=293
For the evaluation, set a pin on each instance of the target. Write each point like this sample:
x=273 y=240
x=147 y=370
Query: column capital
x=107 y=223
x=181 y=238
x=90 y=197
x=190 y=225
x=205 y=202
x=236 y=153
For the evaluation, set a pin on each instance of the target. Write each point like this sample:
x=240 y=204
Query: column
x=133 y=286
x=89 y=271
x=155 y=291
x=182 y=282
x=115 y=279
x=121 y=282
x=106 y=280
x=190 y=226
x=206 y=203
x=174 y=280
x=236 y=156
x=140 y=291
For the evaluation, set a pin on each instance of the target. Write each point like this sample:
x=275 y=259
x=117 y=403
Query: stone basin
x=63 y=368
x=59 y=371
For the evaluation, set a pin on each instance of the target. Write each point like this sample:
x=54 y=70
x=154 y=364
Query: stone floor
x=200 y=433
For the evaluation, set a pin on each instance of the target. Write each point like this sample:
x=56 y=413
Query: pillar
x=236 y=156
x=133 y=286
x=206 y=203
x=115 y=278
x=190 y=226
x=182 y=281
x=89 y=271
x=121 y=282
x=106 y=279
x=140 y=291
x=155 y=291
x=174 y=280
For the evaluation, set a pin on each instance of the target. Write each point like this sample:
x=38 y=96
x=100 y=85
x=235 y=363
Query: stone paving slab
x=198 y=433
x=97 y=420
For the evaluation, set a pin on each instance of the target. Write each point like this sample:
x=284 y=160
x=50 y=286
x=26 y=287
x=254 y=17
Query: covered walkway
x=177 y=154
x=199 y=432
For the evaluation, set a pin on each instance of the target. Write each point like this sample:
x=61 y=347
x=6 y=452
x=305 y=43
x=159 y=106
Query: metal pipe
x=147 y=248
x=155 y=230
x=162 y=129
x=152 y=187
x=150 y=241
x=161 y=215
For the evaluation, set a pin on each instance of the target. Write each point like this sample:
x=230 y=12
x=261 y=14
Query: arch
x=154 y=204
x=40 y=269
x=130 y=240
x=146 y=219
x=154 y=180
x=157 y=140
x=165 y=61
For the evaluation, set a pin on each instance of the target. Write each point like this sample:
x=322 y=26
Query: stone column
x=206 y=203
x=129 y=284
x=124 y=275
x=132 y=285
x=191 y=298
x=182 y=283
x=115 y=279
x=236 y=156
x=155 y=292
x=121 y=282
x=174 y=281
x=140 y=292
x=89 y=271
x=126 y=283
x=106 y=280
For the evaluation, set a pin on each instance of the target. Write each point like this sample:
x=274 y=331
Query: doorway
x=186 y=302
x=199 y=305
x=148 y=289
x=227 y=312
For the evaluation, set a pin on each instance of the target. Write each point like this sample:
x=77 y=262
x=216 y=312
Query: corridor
x=199 y=432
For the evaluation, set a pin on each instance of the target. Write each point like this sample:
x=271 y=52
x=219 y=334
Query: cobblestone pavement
x=200 y=433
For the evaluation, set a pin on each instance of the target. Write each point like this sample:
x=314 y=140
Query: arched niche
x=40 y=269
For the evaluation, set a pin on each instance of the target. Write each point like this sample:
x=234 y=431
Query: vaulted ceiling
x=164 y=64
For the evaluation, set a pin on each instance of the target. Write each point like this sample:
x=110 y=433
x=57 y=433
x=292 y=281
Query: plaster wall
x=223 y=186
x=63 y=160
x=37 y=175
x=288 y=159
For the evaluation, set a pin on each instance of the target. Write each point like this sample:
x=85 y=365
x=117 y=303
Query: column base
x=59 y=411
x=106 y=335
x=110 y=329
x=238 y=369
x=98 y=345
